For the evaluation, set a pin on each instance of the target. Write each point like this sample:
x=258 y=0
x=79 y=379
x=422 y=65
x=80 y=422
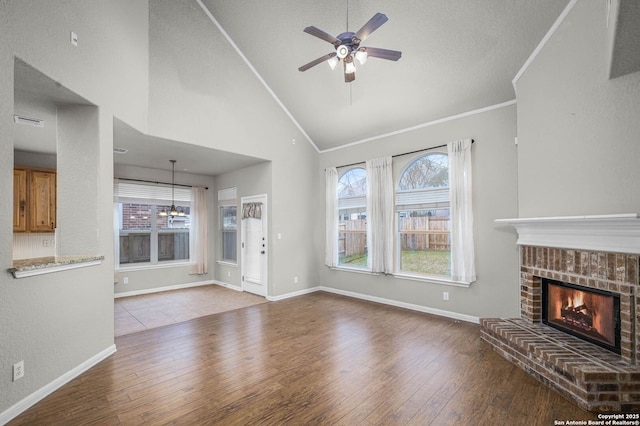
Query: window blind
x=129 y=192
x=228 y=196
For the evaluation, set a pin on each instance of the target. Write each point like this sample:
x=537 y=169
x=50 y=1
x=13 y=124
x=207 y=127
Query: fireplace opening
x=590 y=314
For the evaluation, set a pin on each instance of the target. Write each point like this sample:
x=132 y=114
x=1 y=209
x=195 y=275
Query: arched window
x=352 y=218
x=429 y=171
x=423 y=216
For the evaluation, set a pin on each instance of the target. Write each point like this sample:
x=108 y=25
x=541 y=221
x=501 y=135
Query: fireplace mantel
x=618 y=233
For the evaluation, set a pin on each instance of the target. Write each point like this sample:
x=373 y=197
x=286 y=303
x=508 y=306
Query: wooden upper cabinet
x=19 y=200
x=36 y=211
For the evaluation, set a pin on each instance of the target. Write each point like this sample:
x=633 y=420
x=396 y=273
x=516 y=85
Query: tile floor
x=138 y=313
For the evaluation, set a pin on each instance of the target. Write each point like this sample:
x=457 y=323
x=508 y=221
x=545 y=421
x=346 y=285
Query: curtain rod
x=158 y=183
x=399 y=155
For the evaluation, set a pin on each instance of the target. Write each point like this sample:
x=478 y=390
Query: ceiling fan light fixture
x=361 y=56
x=333 y=62
x=347 y=47
x=342 y=51
x=349 y=66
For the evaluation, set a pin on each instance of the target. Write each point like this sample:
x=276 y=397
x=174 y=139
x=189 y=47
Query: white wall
x=109 y=66
x=496 y=292
x=577 y=130
x=201 y=92
x=57 y=322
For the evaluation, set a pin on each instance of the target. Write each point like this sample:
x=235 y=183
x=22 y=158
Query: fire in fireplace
x=590 y=314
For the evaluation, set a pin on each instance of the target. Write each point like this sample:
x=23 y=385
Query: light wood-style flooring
x=145 y=311
x=313 y=359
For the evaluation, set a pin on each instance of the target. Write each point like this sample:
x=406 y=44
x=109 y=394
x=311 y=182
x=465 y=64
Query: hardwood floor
x=314 y=359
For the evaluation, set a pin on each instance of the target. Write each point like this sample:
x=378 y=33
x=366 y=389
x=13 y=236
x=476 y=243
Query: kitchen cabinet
x=34 y=207
x=19 y=200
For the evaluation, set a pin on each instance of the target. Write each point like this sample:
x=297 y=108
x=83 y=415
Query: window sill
x=411 y=277
x=432 y=280
x=357 y=271
x=226 y=263
x=146 y=267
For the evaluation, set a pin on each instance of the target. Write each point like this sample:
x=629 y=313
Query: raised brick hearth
x=594 y=378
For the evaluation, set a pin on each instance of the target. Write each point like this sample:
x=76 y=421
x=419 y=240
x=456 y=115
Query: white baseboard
x=413 y=307
x=293 y=294
x=19 y=407
x=164 y=288
x=227 y=285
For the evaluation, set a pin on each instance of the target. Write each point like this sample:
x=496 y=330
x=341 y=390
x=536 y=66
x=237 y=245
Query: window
x=229 y=230
x=228 y=225
x=423 y=241
x=145 y=236
x=352 y=218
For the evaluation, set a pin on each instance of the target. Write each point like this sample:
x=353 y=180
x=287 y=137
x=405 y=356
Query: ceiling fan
x=348 y=47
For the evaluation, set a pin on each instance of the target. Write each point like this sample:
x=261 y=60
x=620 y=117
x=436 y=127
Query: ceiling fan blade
x=375 y=52
x=317 y=61
x=373 y=24
x=322 y=35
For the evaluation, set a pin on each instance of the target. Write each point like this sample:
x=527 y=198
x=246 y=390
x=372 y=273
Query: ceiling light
x=173 y=212
x=349 y=66
x=361 y=56
x=342 y=51
x=333 y=62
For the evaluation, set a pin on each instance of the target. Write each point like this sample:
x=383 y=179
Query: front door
x=254 y=244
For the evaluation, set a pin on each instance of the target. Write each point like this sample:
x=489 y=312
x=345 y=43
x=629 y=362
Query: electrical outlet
x=125 y=280
x=445 y=295
x=74 y=39
x=295 y=280
x=228 y=274
x=18 y=370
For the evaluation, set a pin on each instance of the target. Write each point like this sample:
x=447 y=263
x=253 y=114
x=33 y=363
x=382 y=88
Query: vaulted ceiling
x=457 y=56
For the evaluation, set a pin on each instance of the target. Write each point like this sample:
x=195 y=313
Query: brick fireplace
x=594 y=252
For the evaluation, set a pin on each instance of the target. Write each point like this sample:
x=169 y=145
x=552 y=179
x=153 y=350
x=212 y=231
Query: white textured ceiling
x=457 y=56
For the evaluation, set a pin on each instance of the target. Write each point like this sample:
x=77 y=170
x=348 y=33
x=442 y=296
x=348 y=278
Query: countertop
x=44 y=265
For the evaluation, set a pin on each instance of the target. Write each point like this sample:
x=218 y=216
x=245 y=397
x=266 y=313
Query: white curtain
x=460 y=183
x=331 y=205
x=380 y=212
x=198 y=233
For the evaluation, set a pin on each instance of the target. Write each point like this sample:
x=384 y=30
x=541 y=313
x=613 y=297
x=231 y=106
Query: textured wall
x=57 y=322
x=202 y=92
x=577 y=130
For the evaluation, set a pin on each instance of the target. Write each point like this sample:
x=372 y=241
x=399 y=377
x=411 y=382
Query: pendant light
x=173 y=212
